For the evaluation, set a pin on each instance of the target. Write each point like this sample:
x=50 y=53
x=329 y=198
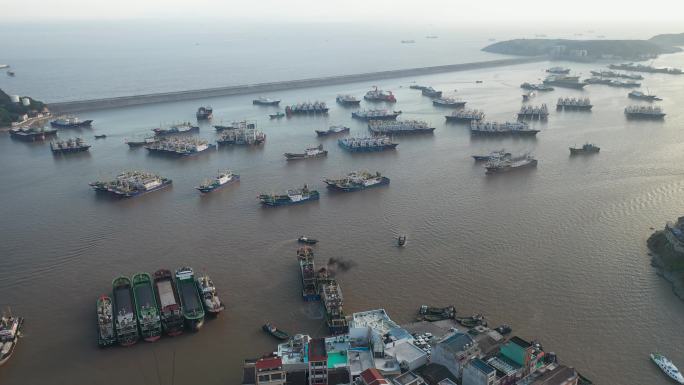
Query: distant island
x=591 y=50
x=667 y=251
x=18 y=109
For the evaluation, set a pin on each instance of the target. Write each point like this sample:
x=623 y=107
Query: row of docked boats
x=146 y=306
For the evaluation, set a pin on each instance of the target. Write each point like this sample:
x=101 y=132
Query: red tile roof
x=269 y=363
x=317 y=350
x=371 y=376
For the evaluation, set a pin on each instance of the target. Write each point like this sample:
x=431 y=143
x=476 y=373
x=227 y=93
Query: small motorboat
x=471 y=322
x=401 y=240
x=274 y=331
x=277 y=115
x=308 y=241
x=100 y=136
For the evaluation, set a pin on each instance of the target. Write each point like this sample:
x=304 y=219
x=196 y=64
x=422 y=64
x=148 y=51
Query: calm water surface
x=558 y=251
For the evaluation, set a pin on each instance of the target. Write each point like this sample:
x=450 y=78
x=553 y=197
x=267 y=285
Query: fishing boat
x=274 y=331
x=126 y=325
x=32 y=134
x=262 y=101
x=68 y=146
x=311 y=152
x=377 y=95
x=307 y=268
x=147 y=308
x=667 y=367
x=448 y=102
x=169 y=303
x=100 y=136
x=10 y=331
x=367 y=144
x=401 y=240
x=432 y=314
x=223 y=178
x=472 y=321
x=210 y=299
x=355 y=181
x=105 y=321
x=277 y=115
x=431 y=92
x=131 y=184
x=333 y=130
x=191 y=304
x=291 y=197
x=308 y=241
x=586 y=148
x=237 y=125
x=204 y=113
x=182 y=128
x=494 y=155
x=347 y=100
x=141 y=142
x=70 y=122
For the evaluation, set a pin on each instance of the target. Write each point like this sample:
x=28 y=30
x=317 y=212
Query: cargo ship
x=237 y=125
x=360 y=144
x=210 y=299
x=223 y=178
x=333 y=130
x=375 y=114
x=465 y=116
x=613 y=82
x=501 y=129
x=131 y=184
x=582 y=104
x=448 y=102
x=644 y=112
x=262 y=101
x=125 y=323
x=69 y=146
x=182 y=128
x=333 y=301
x=291 y=197
x=564 y=81
x=32 y=134
x=558 y=70
x=586 y=148
x=180 y=146
x=141 y=142
x=147 y=310
x=431 y=92
x=277 y=115
x=643 y=68
x=169 y=303
x=536 y=87
x=612 y=74
x=494 y=155
x=347 y=100
x=404 y=127
x=204 y=113
x=308 y=271
x=376 y=95
x=70 y=122
x=242 y=137
x=642 y=96
x=356 y=181
x=191 y=303
x=511 y=164
x=534 y=112
x=667 y=367
x=105 y=321
x=10 y=330
x=311 y=152
x=306 y=109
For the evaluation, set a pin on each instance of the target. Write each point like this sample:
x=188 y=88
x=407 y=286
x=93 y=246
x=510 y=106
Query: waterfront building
x=454 y=351
x=317 y=357
x=478 y=372
x=526 y=355
x=371 y=377
x=408 y=378
x=269 y=371
x=554 y=375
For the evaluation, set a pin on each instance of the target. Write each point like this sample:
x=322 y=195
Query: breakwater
x=163 y=97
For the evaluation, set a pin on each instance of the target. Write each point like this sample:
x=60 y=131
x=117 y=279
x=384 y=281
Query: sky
x=438 y=12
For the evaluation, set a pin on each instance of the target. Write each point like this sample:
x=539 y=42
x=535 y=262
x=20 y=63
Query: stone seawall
x=134 y=100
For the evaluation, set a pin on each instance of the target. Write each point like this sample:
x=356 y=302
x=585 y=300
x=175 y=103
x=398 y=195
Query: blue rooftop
x=482 y=366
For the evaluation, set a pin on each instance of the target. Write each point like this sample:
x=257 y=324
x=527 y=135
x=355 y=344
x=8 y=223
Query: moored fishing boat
x=169 y=303
x=274 y=331
x=465 y=116
x=147 y=308
x=237 y=125
x=101 y=136
x=496 y=166
x=586 y=148
x=309 y=274
x=10 y=330
x=431 y=92
x=70 y=122
x=68 y=146
x=141 y=142
x=333 y=130
x=105 y=321
x=291 y=197
x=210 y=299
x=263 y=101
x=223 y=178
x=377 y=95
x=204 y=113
x=182 y=128
x=126 y=325
x=307 y=240
x=494 y=155
x=191 y=303
x=448 y=102
x=378 y=143
x=277 y=115
x=375 y=114
x=131 y=184
x=667 y=367
x=347 y=100
x=356 y=181
x=32 y=134
x=180 y=146
x=395 y=127
x=307 y=109
x=311 y=152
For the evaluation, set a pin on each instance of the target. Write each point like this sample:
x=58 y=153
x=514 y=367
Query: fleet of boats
x=367 y=144
x=131 y=184
x=644 y=68
x=574 y=104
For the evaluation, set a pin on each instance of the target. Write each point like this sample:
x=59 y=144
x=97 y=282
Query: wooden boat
x=274 y=331
x=308 y=241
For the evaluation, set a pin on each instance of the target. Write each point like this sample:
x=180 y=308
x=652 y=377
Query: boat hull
x=206 y=190
x=645 y=116
x=85 y=123
x=369 y=148
x=290 y=156
x=460 y=119
x=494 y=170
x=384 y=181
x=288 y=202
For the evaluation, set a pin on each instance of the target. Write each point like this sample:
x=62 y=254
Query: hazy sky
x=443 y=12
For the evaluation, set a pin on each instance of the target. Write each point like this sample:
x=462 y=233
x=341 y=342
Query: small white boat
x=668 y=367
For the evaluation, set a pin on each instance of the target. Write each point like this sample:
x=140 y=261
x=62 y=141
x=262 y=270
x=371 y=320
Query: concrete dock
x=134 y=100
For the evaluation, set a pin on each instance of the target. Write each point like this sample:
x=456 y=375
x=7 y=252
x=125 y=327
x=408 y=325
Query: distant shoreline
x=135 y=100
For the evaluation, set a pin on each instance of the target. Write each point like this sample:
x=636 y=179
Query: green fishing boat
x=191 y=303
x=146 y=307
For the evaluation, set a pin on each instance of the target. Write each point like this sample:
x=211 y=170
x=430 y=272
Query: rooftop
x=559 y=376
x=405 y=351
x=359 y=360
x=406 y=378
x=375 y=319
x=434 y=374
x=520 y=342
x=373 y=377
x=456 y=342
x=317 y=351
x=482 y=366
x=266 y=363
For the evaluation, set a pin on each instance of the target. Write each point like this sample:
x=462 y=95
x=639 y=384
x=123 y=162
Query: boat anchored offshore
x=465 y=116
x=574 y=104
x=431 y=92
x=125 y=321
x=565 y=81
x=180 y=146
x=501 y=129
x=644 y=68
x=277 y=115
x=274 y=331
x=70 y=122
x=223 y=178
x=132 y=183
x=558 y=70
x=210 y=299
x=10 y=330
x=182 y=128
x=379 y=143
x=307 y=240
x=262 y=101
x=347 y=100
x=69 y=146
x=667 y=367
x=612 y=74
x=141 y=142
x=169 y=303
x=494 y=155
x=333 y=130
x=401 y=240
x=448 y=102
x=510 y=164
x=308 y=271
x=311 y=152
x=644 y=112
x=306 y=109
x=291 y=197
x=101 y=136
x=191 y=304
x=534 y=112
x=375 y=114
x=105 y=321
x=613 y=82
x=377 y=95
x=586 y=148
x=32 y=134
x=146 y=307
x=642 y=96
x=204 y=113
x=394 y=127
x=249 y=136
x=356 y=181
x=238 y=125
x=536 y=87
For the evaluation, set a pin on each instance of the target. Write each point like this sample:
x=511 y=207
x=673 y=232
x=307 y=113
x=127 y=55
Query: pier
x=163 y=97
